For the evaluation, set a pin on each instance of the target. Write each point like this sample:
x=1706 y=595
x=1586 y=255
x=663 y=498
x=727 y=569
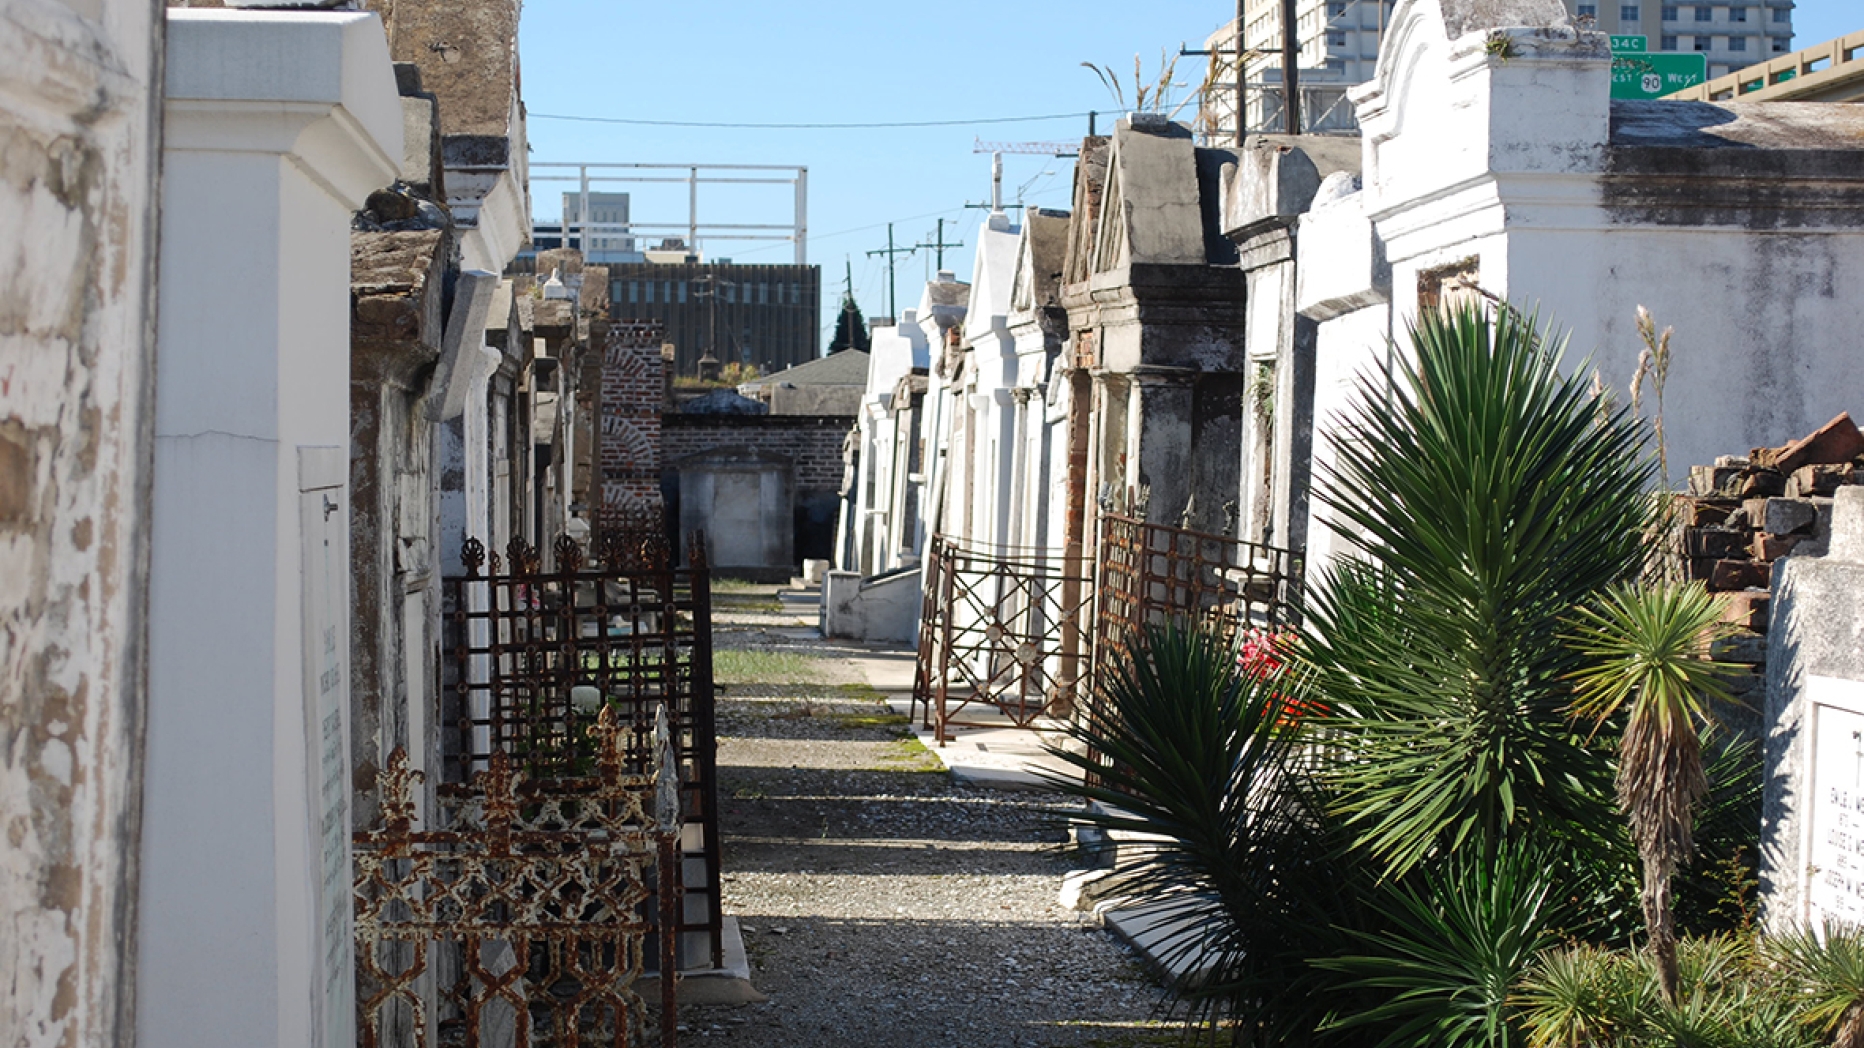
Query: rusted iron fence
x=521 y=915
x=1154 y=574
x=1003 y=636
x=536 y=653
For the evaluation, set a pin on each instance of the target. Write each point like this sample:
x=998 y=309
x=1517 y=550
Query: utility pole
x=890 y=251
x=939 y=245
x=710 y=292
x=1291 y=76
x=1237 y=46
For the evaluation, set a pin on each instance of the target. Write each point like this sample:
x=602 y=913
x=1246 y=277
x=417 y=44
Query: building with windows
x=1338 y=47
x=768 y=316
x=1731 y=34
x=607 y=237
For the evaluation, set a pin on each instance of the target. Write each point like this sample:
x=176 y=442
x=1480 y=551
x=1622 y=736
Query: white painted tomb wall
x=1496 y=145
x=278 y=126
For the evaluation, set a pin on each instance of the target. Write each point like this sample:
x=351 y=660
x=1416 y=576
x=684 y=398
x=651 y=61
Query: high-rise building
x=1731 y=34
x=1338 y=47
x=609 y=239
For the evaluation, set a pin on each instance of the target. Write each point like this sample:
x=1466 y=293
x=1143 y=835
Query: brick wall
x=812 y=442
x=629 y=430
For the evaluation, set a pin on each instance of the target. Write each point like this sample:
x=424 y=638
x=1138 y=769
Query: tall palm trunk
x=1660 y=919
x=1851 y=1030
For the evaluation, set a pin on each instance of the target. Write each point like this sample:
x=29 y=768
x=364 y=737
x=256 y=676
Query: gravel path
x=883 y=906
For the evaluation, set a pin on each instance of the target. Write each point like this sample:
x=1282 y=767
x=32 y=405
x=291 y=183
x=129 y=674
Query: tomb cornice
x=334 y=114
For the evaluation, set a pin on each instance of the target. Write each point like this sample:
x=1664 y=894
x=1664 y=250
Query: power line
x=814 y=237
x=804 y=127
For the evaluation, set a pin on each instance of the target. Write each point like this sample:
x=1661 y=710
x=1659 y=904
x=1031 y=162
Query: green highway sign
x=1630 y=44
x=1655 y=74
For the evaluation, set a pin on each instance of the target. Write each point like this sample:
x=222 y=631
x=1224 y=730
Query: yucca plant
x=1488 y=495
x=1647 y=652
x=1826 y=973
x=1590 y=997
x=1198 y=766
x=1457 y=943
x=1584 y=996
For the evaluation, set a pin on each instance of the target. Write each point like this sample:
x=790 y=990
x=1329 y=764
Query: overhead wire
x=850 y=126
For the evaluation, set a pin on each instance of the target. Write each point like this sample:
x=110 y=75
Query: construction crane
x=1060 y=149
x=996 y=151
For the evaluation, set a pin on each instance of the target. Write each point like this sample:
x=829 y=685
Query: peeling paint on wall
x=78 y=138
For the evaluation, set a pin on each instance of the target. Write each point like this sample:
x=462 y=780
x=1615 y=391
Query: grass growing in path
x=742 y=586
x=908 y=754
x=877 y=718
x=739 y=666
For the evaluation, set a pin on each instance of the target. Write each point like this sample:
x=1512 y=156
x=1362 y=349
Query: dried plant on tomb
x=1156 y=94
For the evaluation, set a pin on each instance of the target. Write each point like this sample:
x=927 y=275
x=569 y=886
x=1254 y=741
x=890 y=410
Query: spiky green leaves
x=1488 y=495
x=1647 y=654
x=1449 y=963
x=1196 y=768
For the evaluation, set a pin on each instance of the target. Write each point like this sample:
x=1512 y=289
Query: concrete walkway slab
x=1005 y=757
x=1159 y=934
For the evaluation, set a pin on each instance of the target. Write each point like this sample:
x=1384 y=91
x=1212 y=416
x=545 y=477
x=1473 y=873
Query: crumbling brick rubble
x=1742 y=515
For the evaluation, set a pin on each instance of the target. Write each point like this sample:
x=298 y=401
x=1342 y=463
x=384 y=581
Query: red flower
x=1262 y=655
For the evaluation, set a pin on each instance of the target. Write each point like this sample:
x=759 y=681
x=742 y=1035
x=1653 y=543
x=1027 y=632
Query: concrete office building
x=1730 y=35
x=1339 y=47
x=1338 y=44
x=605 y=243
x=764 y=315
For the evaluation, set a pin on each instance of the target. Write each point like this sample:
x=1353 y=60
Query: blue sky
x=730 y=61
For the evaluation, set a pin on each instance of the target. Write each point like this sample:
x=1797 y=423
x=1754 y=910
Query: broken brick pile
x=1741 y=515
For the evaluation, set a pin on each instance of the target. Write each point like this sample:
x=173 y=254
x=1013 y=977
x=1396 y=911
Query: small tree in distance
x=850 y=327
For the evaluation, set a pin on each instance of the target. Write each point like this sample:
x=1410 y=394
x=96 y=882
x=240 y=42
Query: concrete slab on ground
x=886 y=670
x=727 y=984
x=1159 y=933
x=1005 y=757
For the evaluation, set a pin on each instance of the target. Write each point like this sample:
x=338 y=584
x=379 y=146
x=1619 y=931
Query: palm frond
x=1489 y=495
x=1456 y=950
x=1195 y=768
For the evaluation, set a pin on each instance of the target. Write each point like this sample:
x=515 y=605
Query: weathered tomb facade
x=1810 y=860
x=1038 y=328
x=1264 y=198
x=80 y=97
x=881 y=454
x=1154 y=301
x=1494 y=159
x=799 y=461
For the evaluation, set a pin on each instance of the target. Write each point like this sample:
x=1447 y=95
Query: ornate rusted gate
x=1004 y=636
x=536 y=654
x=1154 y=574
x=522 y=918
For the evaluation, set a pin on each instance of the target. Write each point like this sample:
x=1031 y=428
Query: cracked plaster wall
x=78 y=133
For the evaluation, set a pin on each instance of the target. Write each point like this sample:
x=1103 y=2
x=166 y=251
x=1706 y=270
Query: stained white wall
x=1507 y=160
x=278 y=125
x=77 y=246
